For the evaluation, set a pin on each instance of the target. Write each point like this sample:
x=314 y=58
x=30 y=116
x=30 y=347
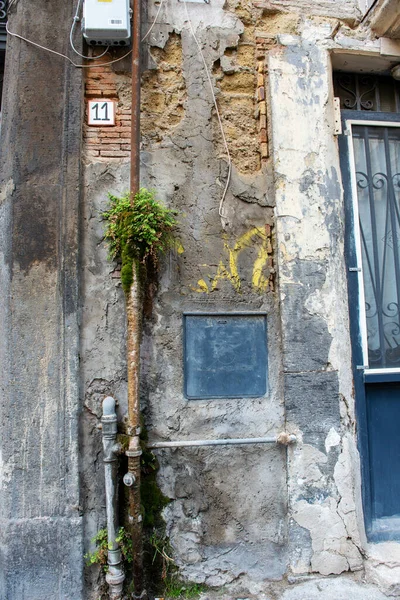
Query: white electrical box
x=106 y=22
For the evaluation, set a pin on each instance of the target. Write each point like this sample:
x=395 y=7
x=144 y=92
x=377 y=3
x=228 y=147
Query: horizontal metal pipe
x=291 y=439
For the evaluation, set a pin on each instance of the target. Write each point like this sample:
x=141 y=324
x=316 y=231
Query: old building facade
x=270 y=177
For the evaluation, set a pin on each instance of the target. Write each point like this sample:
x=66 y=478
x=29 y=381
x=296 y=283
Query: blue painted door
x=371 y=174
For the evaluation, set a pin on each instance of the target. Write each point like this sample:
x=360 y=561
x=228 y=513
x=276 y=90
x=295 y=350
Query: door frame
x=355 y=287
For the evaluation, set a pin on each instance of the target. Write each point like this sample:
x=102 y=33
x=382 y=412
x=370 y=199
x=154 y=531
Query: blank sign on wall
x=225 y=355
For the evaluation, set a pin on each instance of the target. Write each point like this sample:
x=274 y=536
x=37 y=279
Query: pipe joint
x=111 y=452
x=129 y=479
x=114 y=557
x=134 y=449
x=111 y=448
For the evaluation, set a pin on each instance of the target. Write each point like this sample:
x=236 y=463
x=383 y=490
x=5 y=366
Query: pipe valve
x=129 y=479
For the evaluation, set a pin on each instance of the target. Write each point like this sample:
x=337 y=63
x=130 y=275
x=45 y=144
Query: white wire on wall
x=154 y=21
x=228 y=179
x=91 y=66
x=76 y=20
x=63 y=55
x=78 y=66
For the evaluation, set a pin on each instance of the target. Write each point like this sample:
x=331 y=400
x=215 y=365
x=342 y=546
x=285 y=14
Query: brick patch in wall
x=262 y=112
x=111 y=143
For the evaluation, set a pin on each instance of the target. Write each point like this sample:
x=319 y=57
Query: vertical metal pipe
x=135 y=114
x=115 y=575
x=133 y=309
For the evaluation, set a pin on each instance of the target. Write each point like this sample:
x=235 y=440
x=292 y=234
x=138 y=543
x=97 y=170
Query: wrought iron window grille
x=378 y=190
x=3 y=13
x=367 y=92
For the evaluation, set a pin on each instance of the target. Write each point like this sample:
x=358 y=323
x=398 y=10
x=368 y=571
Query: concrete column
x=40 y=526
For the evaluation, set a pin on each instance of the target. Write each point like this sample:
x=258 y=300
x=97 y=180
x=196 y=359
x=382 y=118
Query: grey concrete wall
x=40 y=523
x=227 y=516
x=244 y=517
x=102 y=349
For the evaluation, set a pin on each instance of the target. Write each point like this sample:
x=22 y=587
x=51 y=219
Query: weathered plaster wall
x=215 y=525
x=226 y=521
x=312 y=287
x=323 y=469
x=40 y=522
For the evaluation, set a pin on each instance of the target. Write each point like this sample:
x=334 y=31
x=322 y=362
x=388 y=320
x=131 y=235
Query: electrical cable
x=154 y=22
x=63 y=55
x=111 y=62
x=11 y=33
x=221 y=214
x=71 y=36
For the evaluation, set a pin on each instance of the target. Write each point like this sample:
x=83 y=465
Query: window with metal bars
x=3 y=39
x=377 y=164
x=3 y=21
x=366 y=92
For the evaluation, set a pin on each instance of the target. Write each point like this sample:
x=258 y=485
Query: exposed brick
x=263 y=135
x=121 y=130
x=263 y=122
x=114 y=153
x=107 y=77
x=110 y=93
x=263 y=108
x=260 y=80
x=264 y=149
x=90 y=133
x=94 y=92
x=111 y=133
x=106 y=147
x=126 y=147
x=108 y=141
x=261 y=93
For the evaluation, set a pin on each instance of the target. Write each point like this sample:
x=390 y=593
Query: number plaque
x=101 y=112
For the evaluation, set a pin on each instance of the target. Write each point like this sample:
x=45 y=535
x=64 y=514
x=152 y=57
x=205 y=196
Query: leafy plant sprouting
x=137 y=231
x=99 y=556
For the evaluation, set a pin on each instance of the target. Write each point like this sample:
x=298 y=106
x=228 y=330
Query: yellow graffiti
x=203 y=287
x=178 y=247
x=230 y=272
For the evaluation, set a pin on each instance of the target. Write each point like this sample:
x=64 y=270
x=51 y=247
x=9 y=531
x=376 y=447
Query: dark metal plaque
x=225 y=355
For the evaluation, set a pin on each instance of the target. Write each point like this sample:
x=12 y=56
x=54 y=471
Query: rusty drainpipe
x=133 y=310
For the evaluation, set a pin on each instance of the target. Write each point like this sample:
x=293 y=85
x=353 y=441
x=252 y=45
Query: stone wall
x=237 y=516
x=40 y=516
x=260 y=520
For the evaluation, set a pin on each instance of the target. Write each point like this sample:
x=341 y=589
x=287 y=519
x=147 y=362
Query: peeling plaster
x=183 y=158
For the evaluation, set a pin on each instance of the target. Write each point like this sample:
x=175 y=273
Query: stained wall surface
x=257 y=519
x=40 y=523
x=247 y=517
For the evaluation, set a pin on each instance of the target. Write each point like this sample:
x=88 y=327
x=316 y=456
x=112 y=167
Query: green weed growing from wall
x=137 y=231
x=100 y=554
